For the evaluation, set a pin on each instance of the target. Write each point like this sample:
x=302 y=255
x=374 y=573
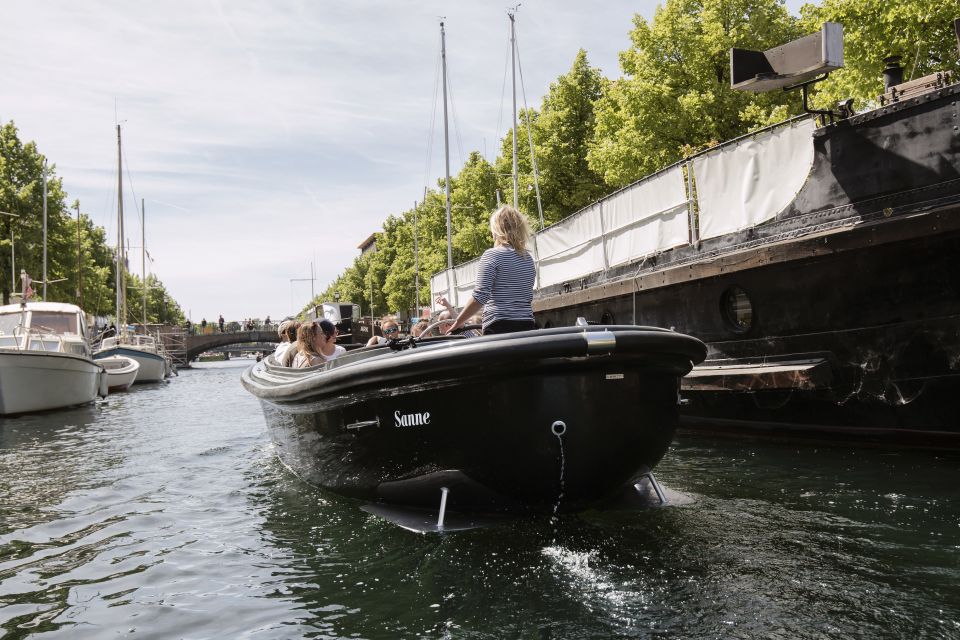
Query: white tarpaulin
x=571 y=248
x=462 y=279
x=646 y=218
x=439 y=287
x=741 y=185
x=466 y=279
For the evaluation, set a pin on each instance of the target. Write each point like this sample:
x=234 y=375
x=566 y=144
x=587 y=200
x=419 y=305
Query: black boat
x=539 y=421
x=817 y=261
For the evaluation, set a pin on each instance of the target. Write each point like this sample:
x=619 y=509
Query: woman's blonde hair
x=510 y=227
x=305 y=335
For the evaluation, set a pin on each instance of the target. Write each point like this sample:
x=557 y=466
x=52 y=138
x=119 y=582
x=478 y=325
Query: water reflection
x=165 y=512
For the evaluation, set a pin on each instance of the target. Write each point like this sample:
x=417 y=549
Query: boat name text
x=410 y=419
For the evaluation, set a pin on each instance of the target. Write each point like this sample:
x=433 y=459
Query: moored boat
x=816 y=260
x=143 y=349
x=121 y=372
x=525 y=422
x=45 y=358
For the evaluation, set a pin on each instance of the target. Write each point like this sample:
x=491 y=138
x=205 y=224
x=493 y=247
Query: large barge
x=818 y=264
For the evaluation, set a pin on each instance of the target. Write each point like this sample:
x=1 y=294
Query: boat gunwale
x=533 y=350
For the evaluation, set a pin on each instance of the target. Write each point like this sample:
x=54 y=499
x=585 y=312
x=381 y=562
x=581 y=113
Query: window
x=55 y=322
x=736 y=309
x=9 y=322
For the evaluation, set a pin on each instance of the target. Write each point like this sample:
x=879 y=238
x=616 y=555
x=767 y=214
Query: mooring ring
x=558 y=428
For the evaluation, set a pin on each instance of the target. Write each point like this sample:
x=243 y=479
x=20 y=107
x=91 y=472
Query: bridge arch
x=195 y=345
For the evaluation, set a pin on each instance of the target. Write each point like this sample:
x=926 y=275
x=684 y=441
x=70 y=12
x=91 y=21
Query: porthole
x=736 y=309
x=607 y=318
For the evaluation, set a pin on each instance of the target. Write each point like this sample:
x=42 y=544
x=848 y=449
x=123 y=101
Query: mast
x=513 y=69
x=121 y=293
x=79 y=260
x=44 y=230
x=143 y=257
x=451 y=288
x=446 y=141
x=416 y=264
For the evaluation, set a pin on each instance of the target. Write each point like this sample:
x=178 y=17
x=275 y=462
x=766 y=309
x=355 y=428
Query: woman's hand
x=456 y=324
x=443 y=302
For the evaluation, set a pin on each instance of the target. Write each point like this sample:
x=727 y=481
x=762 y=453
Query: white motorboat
x=143 y=349
x=45 y=358
x=121 y=372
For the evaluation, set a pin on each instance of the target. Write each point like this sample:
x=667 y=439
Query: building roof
x=363 y=246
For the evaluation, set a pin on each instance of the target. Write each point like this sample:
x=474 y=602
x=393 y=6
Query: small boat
x=121 y=372
x=45 y=358
x=540 y=421
x=143 y=349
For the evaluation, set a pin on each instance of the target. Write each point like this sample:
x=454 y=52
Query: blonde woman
x=505 y=278
x=309 y=339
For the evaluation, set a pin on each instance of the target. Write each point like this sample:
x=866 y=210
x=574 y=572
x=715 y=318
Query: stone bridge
x=195 y=345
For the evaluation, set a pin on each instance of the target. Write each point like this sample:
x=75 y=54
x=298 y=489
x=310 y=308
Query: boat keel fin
x=427 y=521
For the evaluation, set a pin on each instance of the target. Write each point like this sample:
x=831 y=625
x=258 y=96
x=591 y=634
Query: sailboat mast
x=446 y=142
x=79 y=260
x=44 y=230
x=121 y=294
x=513 y=69
x=416 y=263
x=143 y=256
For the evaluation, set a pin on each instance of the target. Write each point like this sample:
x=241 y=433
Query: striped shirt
x=505 y=285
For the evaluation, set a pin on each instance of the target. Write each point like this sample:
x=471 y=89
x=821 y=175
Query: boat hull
x=152 y=365
x=36 y=381
x=121 y=372
x=853 y=331
x=515 y=434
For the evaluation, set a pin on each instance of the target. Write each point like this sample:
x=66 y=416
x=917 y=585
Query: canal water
x=162 y=513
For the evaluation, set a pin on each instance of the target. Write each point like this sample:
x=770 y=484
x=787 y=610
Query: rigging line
x=433 y=125
x=456 y=125
x=133 y=192
x=533 y=156
x=503 y=91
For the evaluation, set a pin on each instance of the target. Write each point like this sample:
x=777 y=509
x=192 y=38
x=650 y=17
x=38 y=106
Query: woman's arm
x=471 y=308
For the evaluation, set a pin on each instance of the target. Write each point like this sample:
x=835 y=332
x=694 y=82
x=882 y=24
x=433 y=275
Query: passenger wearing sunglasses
x=327 y=345
x=390 y=329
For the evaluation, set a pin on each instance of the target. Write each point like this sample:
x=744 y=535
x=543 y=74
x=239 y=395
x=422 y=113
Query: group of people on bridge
x=222 y=326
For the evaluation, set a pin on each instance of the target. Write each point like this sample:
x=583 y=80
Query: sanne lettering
x=410 y=419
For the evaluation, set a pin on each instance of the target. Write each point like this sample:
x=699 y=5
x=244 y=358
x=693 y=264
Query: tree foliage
x=675 y=94
x=592 y=134
x=921 y=33
x=77 y=249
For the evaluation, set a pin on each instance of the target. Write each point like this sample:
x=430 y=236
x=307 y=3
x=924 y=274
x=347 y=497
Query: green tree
x=675 y=95
x=564 y=130
x=920 y=31
x=75 y=246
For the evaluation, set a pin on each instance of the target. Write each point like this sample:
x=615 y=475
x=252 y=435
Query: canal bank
x=164 y=513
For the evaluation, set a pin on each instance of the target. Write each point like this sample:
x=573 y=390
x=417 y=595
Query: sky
x=266 y=138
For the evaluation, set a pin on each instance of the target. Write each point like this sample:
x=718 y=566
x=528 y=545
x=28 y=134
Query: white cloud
x=266 y=136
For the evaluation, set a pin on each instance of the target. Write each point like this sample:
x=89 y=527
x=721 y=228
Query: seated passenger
x=327 y=345
x=390 y=329
x=288 y=334
x=418 y=328
x=309 y=336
